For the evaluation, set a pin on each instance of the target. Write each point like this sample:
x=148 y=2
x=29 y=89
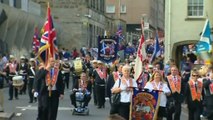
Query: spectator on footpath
x=75 y=53
x=2 y=75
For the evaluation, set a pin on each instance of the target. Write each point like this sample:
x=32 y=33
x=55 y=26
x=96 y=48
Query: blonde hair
x=204 y=70
x=153 y=75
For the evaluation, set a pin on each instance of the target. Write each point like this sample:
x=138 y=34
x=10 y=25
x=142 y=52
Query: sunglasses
x=195 y=75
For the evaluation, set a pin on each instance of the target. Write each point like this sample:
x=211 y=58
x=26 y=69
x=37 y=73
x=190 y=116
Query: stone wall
x=17 y=31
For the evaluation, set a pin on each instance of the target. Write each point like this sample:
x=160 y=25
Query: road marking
x=35 y=108
x=18 y=114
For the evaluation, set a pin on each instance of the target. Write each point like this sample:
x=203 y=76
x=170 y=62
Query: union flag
x=48 y=43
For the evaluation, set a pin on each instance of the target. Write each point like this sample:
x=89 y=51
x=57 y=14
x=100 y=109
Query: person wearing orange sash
x=99 y=76
x=86 y=87
x=49 y=88
x=124 y=86
x=193 y=93
x=12 y=70
x=176 y=98
x=157 y=83
x=208 y=88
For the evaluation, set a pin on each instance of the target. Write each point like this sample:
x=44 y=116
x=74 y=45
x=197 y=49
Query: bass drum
x=18 y=82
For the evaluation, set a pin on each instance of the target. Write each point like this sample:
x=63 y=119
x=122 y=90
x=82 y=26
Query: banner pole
x=130 y=107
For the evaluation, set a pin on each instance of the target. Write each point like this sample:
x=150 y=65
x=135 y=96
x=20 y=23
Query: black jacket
x=208 y=96
x=40 y=83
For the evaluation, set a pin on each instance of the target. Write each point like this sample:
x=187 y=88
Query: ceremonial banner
x=145 y=105
x=107 y=48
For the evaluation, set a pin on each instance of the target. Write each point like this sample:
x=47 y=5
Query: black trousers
x=114 y=109
x=123 y=110
x=176 y=111
x=209 y=112
x=30 y=87
x=23 y=90
x=66 y=79
x=100 y=95
x=87 y=98
x=94 y=94
x=11 y=89
x=50 y=110
x=194 y=112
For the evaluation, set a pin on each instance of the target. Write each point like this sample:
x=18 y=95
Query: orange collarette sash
x=12 y=67
x=100 y=73
x=196 y=95
x=174 y=88
x=50 y=83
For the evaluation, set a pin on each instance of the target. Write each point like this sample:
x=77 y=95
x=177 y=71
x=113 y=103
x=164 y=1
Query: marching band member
x=157 y=83
x=176 y=97
x=125 y=89
x=11 y=70
x=31 y=73
x=193 y=95
x=23 y=68
x=66 y=72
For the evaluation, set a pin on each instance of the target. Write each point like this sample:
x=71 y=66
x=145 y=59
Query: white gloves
x=35 y=94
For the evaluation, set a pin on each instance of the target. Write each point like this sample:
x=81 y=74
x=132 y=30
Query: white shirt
x=164 y=87
x=125 y=95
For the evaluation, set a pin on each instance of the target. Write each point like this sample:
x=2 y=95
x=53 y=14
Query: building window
x=195 y=7
x=123 y=8
x=110 y=9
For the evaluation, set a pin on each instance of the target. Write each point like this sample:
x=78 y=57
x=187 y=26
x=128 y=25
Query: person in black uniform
x=11 y=70
x=193 y=93
x=208 y=88
x=84 y=85
x=66 y=72
x=100 y=77
x=49 y=88
x=176 y=98
x=91 y=75
x=23 y=68
x=31 y=77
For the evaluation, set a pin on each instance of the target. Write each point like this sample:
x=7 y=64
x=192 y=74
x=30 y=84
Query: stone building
x=80 y=20
x=17 y=23
x=132 y=11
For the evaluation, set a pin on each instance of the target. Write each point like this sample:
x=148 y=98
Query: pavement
x=25 y=111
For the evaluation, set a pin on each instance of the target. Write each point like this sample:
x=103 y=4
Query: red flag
x=36 y=42
x=141 y=55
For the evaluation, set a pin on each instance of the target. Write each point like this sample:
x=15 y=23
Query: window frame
x=194 y=4
x=123 y=10
x=111 y=11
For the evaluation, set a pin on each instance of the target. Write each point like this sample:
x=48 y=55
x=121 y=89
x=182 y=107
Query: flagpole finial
x=48 y=4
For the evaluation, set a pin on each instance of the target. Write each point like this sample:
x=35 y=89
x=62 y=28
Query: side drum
x=18 y=82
